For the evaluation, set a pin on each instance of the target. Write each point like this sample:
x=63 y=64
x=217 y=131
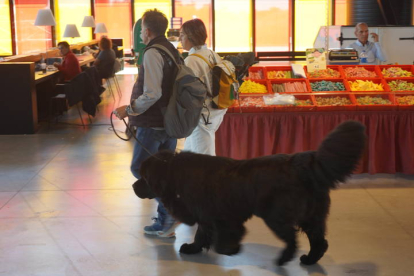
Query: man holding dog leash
x=151 y=93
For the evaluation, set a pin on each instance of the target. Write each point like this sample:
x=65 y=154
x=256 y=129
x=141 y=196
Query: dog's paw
x=190 y=248
x=304 y=259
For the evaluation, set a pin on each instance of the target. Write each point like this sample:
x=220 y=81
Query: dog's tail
x=340 y=151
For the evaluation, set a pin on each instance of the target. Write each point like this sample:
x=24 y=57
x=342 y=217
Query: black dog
x=289 y=192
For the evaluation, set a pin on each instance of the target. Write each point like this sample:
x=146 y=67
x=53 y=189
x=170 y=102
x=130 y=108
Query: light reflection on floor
x=67 y=208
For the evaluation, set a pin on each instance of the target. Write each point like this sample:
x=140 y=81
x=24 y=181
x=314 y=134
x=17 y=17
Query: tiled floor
x=67 y=208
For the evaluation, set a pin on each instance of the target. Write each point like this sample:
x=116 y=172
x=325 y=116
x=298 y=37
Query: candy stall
x=278 y=112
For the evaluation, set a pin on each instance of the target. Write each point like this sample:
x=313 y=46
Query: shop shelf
x=284 y=81
x=334 y=67
x=297 y=108
x=256 y=70
x=376 y=81
x=278 y=68
x=387 y=96
x=403 y=106
x=330 y=80
x=409 y=68
x=253 y=104
x=333 y=107
x=371 y=68
x=263 y=82
x=410 y=80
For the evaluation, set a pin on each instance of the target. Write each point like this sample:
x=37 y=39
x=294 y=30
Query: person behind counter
x=70 y=65
x=373 y=50
x=105 y=59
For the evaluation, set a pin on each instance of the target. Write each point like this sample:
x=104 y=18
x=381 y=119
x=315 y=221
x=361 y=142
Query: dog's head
x=153 y=172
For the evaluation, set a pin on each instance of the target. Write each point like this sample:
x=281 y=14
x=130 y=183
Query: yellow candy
x=360 y=85
x=252 y=87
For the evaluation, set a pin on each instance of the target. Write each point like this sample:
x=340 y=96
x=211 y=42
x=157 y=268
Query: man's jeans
x=154 y=141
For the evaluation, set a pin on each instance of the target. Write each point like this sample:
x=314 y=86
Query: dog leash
x=132 y=134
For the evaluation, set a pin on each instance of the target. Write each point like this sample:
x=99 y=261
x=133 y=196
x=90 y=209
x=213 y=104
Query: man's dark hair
x=156 y=21
x=64 y=44
x=195 y=31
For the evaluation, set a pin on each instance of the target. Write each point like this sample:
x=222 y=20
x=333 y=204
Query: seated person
x=105 y=59
x=373 y=50
x=70 y=65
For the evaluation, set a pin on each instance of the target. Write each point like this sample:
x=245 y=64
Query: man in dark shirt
x=70 y=65
x=150 y=95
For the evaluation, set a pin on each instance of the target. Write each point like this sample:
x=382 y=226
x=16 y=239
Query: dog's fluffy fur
x=289 y=192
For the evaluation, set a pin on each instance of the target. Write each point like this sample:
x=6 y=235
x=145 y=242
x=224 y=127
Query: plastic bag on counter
x=279 y=99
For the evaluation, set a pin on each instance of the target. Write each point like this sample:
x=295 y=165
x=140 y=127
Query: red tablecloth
x=390 y=146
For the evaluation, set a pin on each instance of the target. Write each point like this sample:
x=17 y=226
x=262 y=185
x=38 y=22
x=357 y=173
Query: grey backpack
x=184 y=108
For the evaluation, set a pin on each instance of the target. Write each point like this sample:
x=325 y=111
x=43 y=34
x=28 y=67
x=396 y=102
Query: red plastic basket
x=376 y=81
x=347 y=107
x=263 y=82
x=387 y=96
x=297 y=108
x=334 y=67
x=278 y=68
x=411 y=80
x=284 y=81
x=255 y=105
x=371 y=68
x=404 y=106
x=331 y=80
x=409 y=68
x=256 y=69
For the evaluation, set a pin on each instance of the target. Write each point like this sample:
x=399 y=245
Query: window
x=310 y=15
x=189 y=9
x=5 y=29
x=72 y=12
x=340 y=12
x=31 y=38
x=272 y=25
x=233 y=26
x=162 y=5
x=116 y=14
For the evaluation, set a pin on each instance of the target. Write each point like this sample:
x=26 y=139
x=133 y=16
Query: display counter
x=252 y=128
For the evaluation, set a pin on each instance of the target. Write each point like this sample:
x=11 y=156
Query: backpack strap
x=165 y=50
x=211 y=66
x=203 y=58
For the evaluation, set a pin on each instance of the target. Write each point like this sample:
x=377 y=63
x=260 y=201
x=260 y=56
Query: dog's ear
x=154 y=171
x=142 y=189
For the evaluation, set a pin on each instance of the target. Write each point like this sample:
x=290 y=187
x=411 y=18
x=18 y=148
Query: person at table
x=373 y=50
x=105 y=59
x=70 y=65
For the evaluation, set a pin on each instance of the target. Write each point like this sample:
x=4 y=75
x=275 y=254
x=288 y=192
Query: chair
x=114 y=79
x=85 y=88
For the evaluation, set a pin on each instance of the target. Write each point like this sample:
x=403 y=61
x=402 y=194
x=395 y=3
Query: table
x=20 y=85
x=41 y=77
x=85 y=59
x=390 y=145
